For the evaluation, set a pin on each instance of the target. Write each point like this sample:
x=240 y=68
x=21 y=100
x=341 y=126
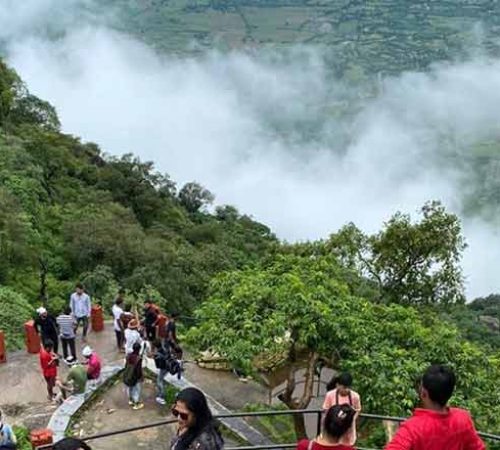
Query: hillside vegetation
x=71 y=213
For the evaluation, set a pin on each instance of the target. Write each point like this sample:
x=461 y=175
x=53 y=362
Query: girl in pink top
x=337 y=423
x=343 y=394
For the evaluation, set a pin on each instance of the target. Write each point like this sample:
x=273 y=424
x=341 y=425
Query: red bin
x=97 y=318
x=31 y=337
x=41 y=437
x=3 y=351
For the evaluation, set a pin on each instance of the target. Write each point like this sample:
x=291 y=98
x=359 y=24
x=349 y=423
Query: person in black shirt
x=170 y=334
x=150 y=318
x=46 y=326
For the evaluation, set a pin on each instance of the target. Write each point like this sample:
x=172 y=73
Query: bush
x=14 y=312
x=170 y=394
x=23 y=438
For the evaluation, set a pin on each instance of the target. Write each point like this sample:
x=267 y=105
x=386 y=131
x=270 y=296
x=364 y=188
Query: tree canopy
x=73 y=213
x=411 y=263
x=303 y=305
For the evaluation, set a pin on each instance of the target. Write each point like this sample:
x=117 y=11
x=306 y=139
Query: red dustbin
x=41 y=437
x=97 y=318
x=3 y=351
x=31 y=337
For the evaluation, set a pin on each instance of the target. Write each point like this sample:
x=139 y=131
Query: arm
x=72 y=305
x=88 y=305
x=472 y=440
x=401 y=441
x=36 y=326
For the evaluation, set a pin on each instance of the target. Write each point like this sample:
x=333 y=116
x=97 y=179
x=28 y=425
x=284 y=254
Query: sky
x=235 y=123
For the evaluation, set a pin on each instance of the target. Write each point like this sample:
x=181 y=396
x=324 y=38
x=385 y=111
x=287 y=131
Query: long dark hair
x=338 y=420
x=196 y=402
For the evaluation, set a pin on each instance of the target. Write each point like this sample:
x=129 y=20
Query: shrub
x=14 y=312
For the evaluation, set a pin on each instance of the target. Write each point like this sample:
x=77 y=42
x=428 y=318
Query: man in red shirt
x=49 y=362
x=436 y=426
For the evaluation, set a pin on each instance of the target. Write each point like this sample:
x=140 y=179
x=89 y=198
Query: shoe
x=138 y=406
x=160 y=400
x=131 y=403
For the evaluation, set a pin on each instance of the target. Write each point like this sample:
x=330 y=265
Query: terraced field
x=362 y=37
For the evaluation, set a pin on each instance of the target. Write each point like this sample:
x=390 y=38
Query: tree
x=412 y=263
x=14 y=312
x=299 y=310
x=193 y=197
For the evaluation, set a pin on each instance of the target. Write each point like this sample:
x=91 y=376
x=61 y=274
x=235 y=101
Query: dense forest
x=72 y=213
x=69 y=213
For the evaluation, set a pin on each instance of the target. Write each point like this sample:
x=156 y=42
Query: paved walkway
x=24 y=394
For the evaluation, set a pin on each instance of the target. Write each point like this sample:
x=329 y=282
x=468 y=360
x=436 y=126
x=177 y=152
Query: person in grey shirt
x=66 y=324
x=80 y=307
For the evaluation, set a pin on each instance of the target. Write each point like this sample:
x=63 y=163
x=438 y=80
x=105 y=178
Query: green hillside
x=71 y=213
x=361 y=37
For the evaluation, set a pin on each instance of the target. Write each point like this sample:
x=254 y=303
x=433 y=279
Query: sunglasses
x=177 y=413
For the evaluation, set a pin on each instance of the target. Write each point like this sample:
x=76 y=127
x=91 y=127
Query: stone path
x=24 y=394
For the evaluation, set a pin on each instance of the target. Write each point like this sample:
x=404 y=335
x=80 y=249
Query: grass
x=278 y=429
x=23 y=438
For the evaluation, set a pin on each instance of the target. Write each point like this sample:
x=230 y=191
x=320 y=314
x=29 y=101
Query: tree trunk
x=300 y=426
x=390 y=429
x=43 y=281
x=302 y=403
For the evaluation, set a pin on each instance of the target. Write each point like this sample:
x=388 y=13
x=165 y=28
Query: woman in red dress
x=337 y=422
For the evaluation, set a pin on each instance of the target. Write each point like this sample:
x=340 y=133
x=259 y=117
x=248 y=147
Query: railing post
x=318 y=425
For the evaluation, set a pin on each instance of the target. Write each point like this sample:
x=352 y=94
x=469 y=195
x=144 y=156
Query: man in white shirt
x=117 y=323
x=132 y=336
x=79 y=303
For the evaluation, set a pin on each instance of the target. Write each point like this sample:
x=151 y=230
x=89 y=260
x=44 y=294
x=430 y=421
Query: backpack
x=130 y=374
x=160 y=360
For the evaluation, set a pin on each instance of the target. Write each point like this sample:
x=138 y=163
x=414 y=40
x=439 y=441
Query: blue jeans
x=160 y=383
x=134 y=392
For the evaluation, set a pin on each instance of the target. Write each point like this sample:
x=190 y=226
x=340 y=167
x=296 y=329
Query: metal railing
x=317 y=412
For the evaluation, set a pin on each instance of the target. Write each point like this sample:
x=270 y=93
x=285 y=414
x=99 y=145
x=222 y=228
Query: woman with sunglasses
x=197 y=429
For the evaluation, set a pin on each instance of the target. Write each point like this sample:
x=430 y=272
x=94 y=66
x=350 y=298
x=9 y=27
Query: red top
x=49 y=367
x=430 y=430
x=94 y=367
x=304 y=445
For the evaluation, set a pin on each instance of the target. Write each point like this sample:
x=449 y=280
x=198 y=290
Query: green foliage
x=280 y=429
x=14 y=312
x=302 y=304
x=23 y=438
x=170 y=394
x=193 y=197
x=76 y=215
x=412 y=263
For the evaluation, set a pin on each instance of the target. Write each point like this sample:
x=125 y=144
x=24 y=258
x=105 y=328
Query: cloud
x=262 y=130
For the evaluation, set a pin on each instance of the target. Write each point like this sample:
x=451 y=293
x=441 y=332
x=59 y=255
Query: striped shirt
x=66 y=326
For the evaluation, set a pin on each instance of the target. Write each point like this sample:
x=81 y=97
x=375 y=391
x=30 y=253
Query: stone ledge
x=61 y=418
